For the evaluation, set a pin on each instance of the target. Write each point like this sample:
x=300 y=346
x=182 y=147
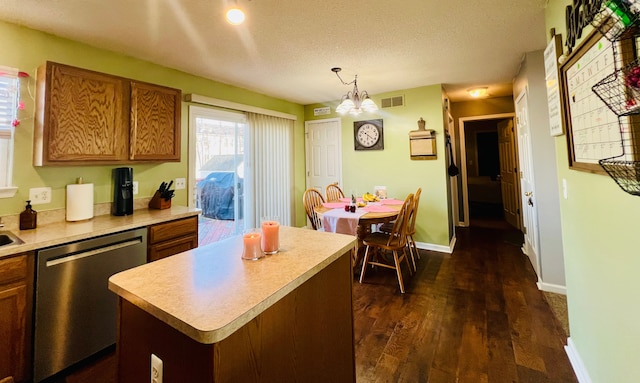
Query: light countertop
x=209 y=292
x=57 y=233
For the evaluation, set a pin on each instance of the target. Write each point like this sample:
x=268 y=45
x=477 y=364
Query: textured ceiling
x=286 y=48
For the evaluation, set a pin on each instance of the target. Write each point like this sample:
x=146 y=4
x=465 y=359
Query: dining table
x=336 y=219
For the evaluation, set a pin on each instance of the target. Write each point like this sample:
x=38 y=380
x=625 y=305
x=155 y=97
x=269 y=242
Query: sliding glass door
x=217 y=168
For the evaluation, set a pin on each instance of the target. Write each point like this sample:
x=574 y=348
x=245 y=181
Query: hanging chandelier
x=354 y=102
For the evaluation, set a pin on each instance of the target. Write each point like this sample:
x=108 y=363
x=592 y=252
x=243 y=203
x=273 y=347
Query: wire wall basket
x=617 y=19
x=620 y=91
x=625 y=173
x=624 y=169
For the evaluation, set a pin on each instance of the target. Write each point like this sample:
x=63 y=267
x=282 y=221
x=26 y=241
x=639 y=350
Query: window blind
x=8 y=100
x=270 y=161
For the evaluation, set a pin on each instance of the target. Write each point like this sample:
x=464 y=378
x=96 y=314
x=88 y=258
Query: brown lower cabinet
x=173 y=237
x=16 y=302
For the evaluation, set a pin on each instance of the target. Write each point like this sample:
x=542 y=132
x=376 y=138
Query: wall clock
x=368 y=135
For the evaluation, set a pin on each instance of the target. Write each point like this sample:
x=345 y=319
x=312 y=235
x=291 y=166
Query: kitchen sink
x=7 y=238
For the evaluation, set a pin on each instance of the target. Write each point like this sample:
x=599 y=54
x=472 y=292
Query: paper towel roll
x=79 y=202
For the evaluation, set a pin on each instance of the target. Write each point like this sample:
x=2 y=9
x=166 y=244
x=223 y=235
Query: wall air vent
x=392 y=101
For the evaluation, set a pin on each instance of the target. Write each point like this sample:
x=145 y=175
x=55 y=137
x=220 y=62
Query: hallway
x=473 y=316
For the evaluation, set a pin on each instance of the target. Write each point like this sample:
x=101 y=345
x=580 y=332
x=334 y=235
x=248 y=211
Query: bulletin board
x=593 y=130
x=551 y=54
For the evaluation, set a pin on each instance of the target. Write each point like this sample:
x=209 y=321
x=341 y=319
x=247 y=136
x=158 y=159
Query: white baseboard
x=438 y=248
x=552 y=288
x=576 y=362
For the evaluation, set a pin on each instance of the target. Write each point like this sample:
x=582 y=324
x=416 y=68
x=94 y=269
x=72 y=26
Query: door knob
x=528 y=194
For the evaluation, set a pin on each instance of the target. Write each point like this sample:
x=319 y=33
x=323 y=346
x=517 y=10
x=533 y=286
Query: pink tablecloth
x=345 y=199
x=333 y=205
x=340 y=221
x=391 y=201
x=379 y=209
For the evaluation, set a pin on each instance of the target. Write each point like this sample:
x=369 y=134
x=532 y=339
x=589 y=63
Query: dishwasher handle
x=93 y=252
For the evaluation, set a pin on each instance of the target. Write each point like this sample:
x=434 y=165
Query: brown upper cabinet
x=87 y=118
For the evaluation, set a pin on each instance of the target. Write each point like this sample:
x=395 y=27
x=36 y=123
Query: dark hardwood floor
x=473 y=316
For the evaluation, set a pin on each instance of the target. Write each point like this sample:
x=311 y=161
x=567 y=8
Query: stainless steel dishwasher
x=75 y=313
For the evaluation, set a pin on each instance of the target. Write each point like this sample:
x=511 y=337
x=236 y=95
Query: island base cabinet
x=307 y=336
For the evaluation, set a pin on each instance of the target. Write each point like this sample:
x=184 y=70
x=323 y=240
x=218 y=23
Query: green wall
x=27 y=49
x=602 y=265
x=392 y=167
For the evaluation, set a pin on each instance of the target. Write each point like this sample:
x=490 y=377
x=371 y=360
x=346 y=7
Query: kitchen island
x=212 y=317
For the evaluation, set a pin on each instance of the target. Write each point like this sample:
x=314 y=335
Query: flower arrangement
x=632 y=78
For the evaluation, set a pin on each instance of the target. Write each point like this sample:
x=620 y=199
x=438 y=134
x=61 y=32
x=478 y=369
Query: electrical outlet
x=181 y=183
x=135 y=187
x=40 y=195
x=156 y=369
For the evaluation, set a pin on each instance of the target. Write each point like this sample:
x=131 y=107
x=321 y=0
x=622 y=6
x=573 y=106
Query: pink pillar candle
x=252 y=246
x=270 y=237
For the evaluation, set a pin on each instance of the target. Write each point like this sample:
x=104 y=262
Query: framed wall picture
x=368 y=135
x=551 y=55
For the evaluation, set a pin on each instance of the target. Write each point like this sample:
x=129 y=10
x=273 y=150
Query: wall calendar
x=593 y=130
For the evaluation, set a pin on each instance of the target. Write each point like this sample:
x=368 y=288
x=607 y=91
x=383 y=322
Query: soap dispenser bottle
x=28 y=218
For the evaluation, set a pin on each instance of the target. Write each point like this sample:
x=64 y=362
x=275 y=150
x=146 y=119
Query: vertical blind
x=8 y=100
x=9 y=95
x=270 y=161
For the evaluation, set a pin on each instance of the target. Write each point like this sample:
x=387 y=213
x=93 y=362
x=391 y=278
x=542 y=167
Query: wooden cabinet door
x=155 y=123
x=173 y=237
x=81 y=116
x=171 y=247
x=16 y=275
x=13 y=304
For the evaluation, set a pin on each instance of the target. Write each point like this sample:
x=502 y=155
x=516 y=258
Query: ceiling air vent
x=392 y=101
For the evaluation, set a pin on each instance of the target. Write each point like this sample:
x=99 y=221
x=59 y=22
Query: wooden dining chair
x=411 y=230
x=394 y=242
x=311 y=199
x=412 y=246
x=333 y=192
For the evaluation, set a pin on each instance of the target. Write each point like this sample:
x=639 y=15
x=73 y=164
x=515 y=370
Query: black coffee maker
x=122 y=191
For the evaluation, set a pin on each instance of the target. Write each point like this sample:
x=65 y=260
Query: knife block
x=157 y=202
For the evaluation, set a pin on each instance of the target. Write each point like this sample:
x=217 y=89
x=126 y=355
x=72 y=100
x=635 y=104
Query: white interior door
x=529 y=215
x=324 y=153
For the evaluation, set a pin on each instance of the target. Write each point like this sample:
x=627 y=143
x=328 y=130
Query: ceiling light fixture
x=235 y=15
x=354 y=102
x=478 y=92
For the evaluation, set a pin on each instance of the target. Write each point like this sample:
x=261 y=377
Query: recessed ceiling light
x=235 y=16
x=478 y=92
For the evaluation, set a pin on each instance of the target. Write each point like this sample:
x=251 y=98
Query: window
x=9 y=94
